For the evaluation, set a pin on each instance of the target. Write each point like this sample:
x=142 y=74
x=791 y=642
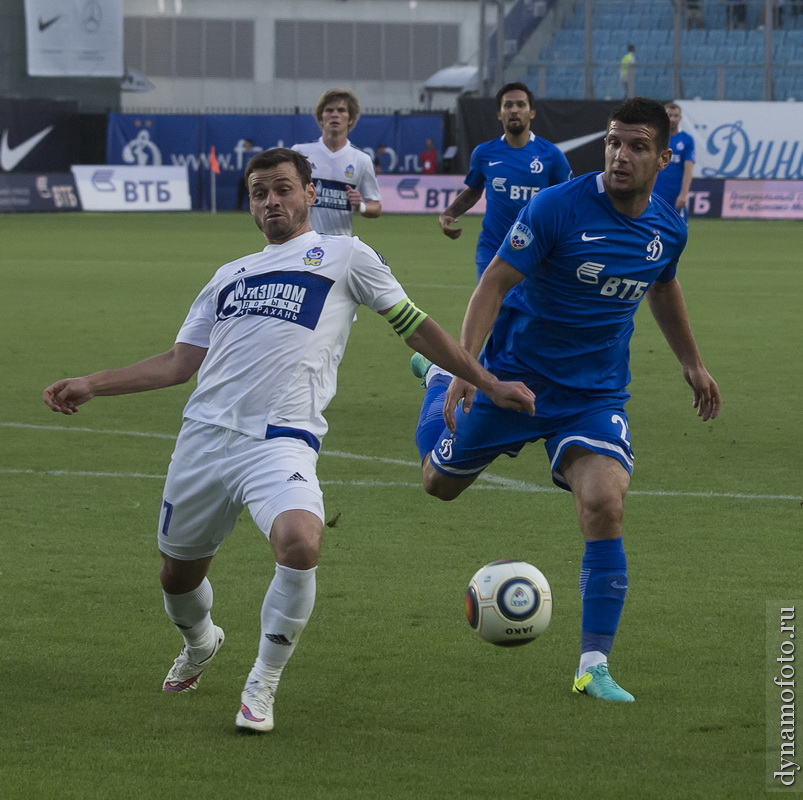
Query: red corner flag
x=213 y=165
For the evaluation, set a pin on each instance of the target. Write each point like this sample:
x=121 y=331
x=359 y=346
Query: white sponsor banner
x=111 y=188
x=756 y=141
x=763 y=199
x=74 y=37
x=422 y=194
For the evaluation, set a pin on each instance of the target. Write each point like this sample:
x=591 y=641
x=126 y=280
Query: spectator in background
x=673 y=182
x=737 y=14
x=694 y=14
x=429 y=158
x=777 y=14
x=344 y=177
x=510 y=170
x=627 y=71
x=242 y=187
x=383 y=160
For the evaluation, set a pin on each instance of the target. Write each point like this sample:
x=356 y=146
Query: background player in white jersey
x=558 y=302
x=510 y=170
x=265 y=335
x=674 y=182
x=345 y=181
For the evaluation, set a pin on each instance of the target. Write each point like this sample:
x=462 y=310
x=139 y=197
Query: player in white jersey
x=266 y=336
x=344 y=177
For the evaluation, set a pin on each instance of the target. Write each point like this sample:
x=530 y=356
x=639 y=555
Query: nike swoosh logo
x=586 y=238
x=573 y=144
x=11 y=156
x=44 y=25
x=617 y=585
x=493 y=163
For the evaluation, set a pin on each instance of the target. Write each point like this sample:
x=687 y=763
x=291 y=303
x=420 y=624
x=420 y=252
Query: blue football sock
x=603 y=586
x=430 y=421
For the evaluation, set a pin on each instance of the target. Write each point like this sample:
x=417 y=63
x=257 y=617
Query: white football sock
x=591 y=659
x=190 y=614
x=436 y=370
x=286 y=610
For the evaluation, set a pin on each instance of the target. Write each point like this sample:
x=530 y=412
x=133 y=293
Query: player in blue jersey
x=674 y=182
x=559 y=301
x=510 y=170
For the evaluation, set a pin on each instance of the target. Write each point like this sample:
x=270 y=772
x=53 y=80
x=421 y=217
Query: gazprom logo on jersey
x=520 y=236
x=293 y=296
x=331 y=194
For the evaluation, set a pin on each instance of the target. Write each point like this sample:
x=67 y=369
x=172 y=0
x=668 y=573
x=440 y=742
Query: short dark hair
x=643 y=111
x=268 y=159
x=516 y=86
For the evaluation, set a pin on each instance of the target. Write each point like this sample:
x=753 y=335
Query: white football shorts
x=216 y=472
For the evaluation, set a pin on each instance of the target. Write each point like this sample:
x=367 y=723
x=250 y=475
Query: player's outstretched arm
x=483 y=309
x=438 y=346
x=463 y=202
x=175 y=366
x=669 y=309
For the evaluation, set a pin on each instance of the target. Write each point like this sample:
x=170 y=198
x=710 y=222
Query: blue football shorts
x=563 y=417
x=215 y=473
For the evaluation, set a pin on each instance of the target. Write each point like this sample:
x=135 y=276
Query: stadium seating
x=717 y=63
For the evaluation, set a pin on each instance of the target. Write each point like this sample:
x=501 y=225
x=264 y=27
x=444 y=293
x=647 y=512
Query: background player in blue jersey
x=510 y=170
x=558 y=302
x=674 y=182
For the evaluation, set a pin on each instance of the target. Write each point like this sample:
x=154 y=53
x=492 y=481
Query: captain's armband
x=405 y=318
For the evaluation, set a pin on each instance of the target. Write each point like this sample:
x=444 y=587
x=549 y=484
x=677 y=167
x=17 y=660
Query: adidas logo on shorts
x=296 y=476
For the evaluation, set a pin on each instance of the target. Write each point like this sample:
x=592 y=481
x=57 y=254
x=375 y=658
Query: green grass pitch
x=390 y=694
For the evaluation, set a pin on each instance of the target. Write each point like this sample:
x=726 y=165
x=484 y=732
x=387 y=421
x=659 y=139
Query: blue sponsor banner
x=705 y=198
x=185 y=140
x=52 y=191
x=292 y=296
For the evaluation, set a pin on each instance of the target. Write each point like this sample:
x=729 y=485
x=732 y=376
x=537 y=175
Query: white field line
x=485 y=481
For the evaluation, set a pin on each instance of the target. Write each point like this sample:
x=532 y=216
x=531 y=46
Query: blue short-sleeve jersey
x=670 y=179
x=511 y=176
x=586 y=268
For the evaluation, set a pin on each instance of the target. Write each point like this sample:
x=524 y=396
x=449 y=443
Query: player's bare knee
x=602 y=511
x=180 y=577
x=298 y=549
x=442 y=487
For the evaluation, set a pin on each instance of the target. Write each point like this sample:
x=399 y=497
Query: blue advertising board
x=186 y=139
x=43 y=191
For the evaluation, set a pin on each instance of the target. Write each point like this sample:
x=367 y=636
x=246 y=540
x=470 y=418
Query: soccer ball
x=508 y=603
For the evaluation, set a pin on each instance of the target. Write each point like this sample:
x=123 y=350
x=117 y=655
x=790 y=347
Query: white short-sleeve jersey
x=276 y=324
x=331 y=174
